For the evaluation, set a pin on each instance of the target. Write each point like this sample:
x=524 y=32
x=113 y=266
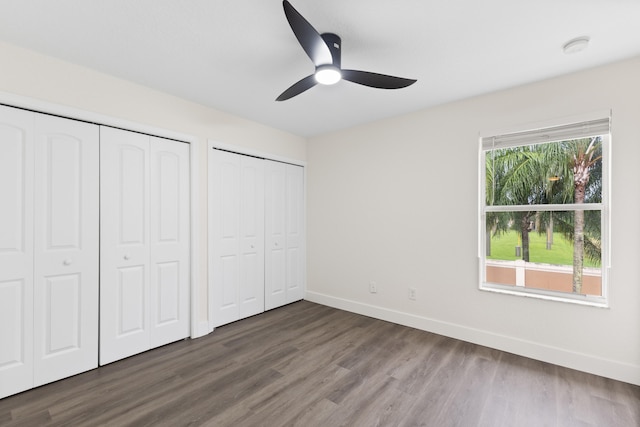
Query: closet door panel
x=295 y=234
x=16 y=360
x=275 y=248
x=16 y=250
x=66 y=248
x=228 y=284
x=252 y=236
x=284 y=219
x=169 y=220
x=130 y=308
x=224 y=229
x=124 y=244
x=236 y=224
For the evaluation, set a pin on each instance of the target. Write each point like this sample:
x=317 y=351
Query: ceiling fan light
x=328 y=75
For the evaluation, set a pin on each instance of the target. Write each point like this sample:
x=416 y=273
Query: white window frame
x=551 y=131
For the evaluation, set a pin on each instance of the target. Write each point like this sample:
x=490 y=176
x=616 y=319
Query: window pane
x=539 y=250
x=551 y=173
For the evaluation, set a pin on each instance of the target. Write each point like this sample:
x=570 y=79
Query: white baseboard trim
x=579 y=361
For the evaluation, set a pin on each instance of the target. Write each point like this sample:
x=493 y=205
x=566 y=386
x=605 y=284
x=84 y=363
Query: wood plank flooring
x=310 y=365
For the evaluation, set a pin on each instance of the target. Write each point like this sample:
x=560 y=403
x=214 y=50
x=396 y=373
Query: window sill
x=586 y=300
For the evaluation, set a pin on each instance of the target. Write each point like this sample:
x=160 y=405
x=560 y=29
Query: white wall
x=396 y=202
x=43 y=78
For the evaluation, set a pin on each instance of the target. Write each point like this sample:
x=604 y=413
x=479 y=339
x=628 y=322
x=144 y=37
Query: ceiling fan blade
x=309 y=38
x=380 y=81
x=297 y=88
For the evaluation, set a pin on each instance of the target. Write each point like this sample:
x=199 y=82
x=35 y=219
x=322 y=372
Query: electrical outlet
x=412 y=294
x=373 y=288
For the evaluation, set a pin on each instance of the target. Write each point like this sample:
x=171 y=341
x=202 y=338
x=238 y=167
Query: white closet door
x=66 y=248
x=275 y=235
x=124 y=244
x=16 y=250
x=169 y=221
x=251 y=236
x=284 y=219
x=236 y=242
x=295 y=231
x=224 y=236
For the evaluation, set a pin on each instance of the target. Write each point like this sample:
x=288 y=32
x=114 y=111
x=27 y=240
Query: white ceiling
x=238 y=56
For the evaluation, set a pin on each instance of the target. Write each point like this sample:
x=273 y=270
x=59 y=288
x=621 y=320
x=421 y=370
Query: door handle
x=67 y=261
x=126 y=257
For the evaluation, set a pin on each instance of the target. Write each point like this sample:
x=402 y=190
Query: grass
x=561 y=252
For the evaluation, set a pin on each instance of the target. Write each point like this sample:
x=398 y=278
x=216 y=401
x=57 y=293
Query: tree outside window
x=543 y=213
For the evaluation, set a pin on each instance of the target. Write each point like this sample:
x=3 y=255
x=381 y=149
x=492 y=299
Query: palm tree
x=552 y=173
x=495 y=222
x=585 y=155
x=517 y=179
x=579 y=160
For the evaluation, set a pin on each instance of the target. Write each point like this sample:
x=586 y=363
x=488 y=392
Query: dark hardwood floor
x=310 y=365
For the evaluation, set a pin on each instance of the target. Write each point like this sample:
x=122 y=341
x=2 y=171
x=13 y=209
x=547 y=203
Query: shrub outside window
x=544 y=212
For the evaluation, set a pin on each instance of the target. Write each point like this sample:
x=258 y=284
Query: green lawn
x=561 y=253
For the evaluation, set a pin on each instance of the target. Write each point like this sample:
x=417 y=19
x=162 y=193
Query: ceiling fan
x=324 y=51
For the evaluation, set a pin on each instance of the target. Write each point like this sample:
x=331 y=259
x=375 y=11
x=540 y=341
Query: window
x=544 y=212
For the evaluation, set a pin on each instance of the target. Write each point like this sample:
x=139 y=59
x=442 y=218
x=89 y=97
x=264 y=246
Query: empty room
x=279 y=213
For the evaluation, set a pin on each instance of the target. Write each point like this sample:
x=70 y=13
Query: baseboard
x=582 y=362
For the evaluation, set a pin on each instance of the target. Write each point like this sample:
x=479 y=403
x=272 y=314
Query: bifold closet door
x=275 y=293
x=124 y=244
x=284 y=230
x=66 y=248
x=295 y=232
x=170 y=241
x=48 y=249
x=16 y=250
x=236 y=239
x=144 y=243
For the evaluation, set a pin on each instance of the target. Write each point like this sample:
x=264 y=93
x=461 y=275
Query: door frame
x=197 y=327
x=213 y=144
